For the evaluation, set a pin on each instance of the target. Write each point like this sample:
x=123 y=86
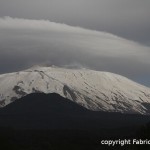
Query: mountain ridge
x=52 y=111
x=94 y=90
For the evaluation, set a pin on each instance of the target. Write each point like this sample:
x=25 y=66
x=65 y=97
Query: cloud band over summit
x=28 y=42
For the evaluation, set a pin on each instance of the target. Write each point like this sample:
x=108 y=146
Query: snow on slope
x=95 y=90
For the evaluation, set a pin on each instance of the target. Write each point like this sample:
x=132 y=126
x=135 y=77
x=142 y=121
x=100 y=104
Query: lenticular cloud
x=27 y=42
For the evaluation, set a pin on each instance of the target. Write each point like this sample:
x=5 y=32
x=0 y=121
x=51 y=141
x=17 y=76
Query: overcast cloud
x=125 y=18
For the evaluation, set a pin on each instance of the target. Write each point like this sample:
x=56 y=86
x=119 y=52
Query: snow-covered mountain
x=95 y=90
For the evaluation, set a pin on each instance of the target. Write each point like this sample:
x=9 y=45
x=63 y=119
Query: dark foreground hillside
x=51 y=122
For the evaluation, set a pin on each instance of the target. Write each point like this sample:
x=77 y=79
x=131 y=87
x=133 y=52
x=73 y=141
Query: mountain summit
x=94 y=90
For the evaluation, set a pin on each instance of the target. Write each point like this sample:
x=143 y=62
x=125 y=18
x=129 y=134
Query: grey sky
x=27 y=42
